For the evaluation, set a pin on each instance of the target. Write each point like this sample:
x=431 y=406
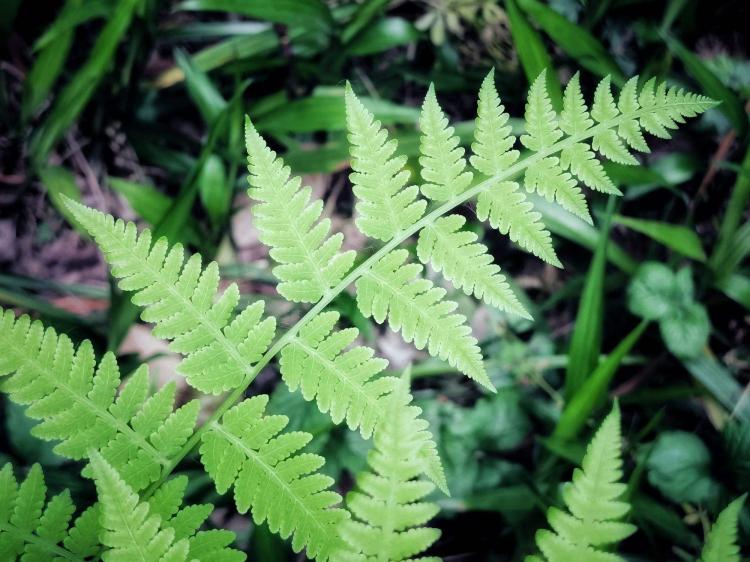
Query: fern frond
x=594 y=510
x=34 y=530
x=77 y=403
x=389 y=516
x=721 y=544
x=180 y=298
x=310 y=261
x=442 y=159
x=344 y=383
x=466 y=263
x=393 y=290
x=270 y=477
x=384 y=205
x=157 y=530
x=541 y=121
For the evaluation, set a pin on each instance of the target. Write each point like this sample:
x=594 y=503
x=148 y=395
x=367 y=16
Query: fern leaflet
x=37 y=531
x=157 y=530
x=75 y=399
x=721 y=544
x=341 y=381
x=594 y=508
x=466 y=263
x=442 y=160
x=310 y=260
x=503 y=204
x=270 y=476
x=179 y=297
x=392 y=290
x=387 y=507
x=385 y=207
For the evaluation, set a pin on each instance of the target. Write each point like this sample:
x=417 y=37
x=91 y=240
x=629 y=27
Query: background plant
x=130 y=126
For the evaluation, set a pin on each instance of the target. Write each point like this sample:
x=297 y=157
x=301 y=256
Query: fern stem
x=513 y=171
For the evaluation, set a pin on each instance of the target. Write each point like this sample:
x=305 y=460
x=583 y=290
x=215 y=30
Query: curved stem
x=363 y=267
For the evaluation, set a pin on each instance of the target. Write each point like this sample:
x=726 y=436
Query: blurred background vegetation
x=135 y=107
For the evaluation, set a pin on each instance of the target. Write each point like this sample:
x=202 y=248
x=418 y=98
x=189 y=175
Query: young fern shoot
x=593 y=519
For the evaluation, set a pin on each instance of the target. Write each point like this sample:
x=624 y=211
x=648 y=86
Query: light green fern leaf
x=344 y=383
x=503 y=203
x=541 y=121
x=594 y=511
x=574 y=117
x=466 y=263
x=393 y=290
x=506 y=208
x=387 y=508
x=78 y=403
x=721 y=544
x=608 y=128
x=270 y=476
x=157 y=530
x=384 y=205
x=629 y=129
x=547 y=176
x=34 y=530
x=310 y=261
x=180 y=298
x=549 y=180
x=442 y=159
x=492 y=149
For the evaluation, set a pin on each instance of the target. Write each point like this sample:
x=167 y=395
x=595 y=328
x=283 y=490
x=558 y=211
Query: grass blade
x=79 y=90
x=532 y=52
x=586 y=341
x=594 y=389
x=730 y=106
x=577 y=42
x=679 y=238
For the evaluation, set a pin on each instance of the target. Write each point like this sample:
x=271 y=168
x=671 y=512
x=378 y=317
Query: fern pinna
x=133 y=440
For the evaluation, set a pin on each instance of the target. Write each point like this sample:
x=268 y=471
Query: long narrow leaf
x=586 y=341
x=593 y=391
